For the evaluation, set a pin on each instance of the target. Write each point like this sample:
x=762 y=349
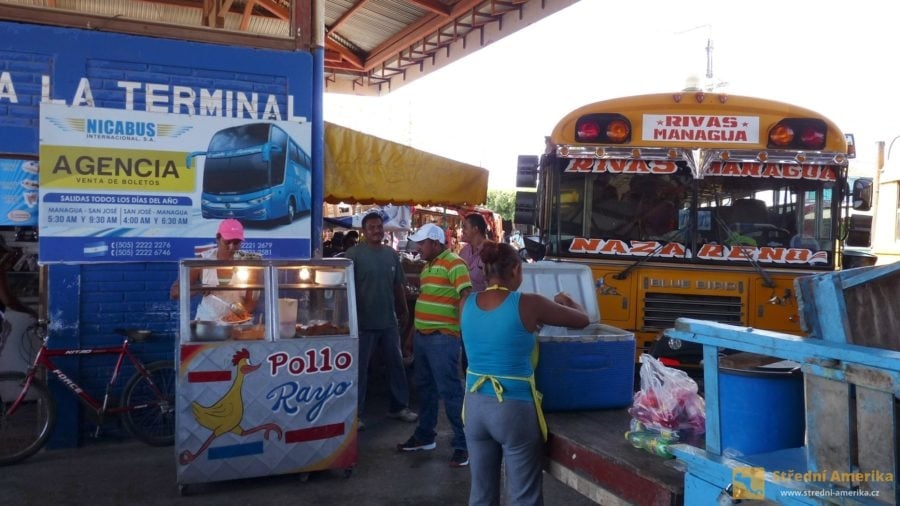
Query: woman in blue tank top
x=503 y=420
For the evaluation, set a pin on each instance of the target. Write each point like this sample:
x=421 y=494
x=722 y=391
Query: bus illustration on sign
x=706 y=206
x=254 y=172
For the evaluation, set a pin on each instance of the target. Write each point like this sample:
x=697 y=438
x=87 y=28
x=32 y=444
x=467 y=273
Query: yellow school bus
x=690 y=204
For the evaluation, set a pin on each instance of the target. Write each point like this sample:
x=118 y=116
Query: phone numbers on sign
x=140 y=249
x=263 y=248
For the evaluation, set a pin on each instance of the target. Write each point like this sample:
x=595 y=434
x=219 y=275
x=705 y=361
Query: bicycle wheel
x=25 y=431
x=151 y=402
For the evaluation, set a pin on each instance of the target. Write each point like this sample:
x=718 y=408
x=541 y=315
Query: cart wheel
x=348 y=472
x=304 y=477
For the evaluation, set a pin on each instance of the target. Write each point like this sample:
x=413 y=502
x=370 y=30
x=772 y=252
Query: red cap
x=231 y=229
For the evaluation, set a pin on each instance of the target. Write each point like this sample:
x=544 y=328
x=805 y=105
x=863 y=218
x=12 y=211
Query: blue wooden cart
x=851 y=368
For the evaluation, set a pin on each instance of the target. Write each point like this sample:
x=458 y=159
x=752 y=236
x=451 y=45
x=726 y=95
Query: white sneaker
x=405 y=415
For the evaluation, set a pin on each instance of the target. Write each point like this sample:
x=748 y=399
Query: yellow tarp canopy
x=369 y=170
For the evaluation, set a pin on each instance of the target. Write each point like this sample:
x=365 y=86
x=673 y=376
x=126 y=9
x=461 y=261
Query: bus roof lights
x=618 y=131
x=762 y=156
x=725 y=156
x=603 y=129
x=672 y=154
x=800 y=157
x=798 y=133
x=781 y=136
x=587 y=131
x=635 y=153
x=600 y=152
x=812 y=137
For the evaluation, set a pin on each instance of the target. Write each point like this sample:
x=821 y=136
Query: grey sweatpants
x=503 y=431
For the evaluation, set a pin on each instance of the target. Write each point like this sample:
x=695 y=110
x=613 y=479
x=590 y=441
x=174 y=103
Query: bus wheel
x=291 y=212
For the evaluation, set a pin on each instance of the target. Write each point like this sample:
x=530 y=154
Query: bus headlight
x=260 y=200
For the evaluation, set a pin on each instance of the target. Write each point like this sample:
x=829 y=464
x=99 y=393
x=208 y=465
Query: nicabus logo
x=119 y=127
x=99 y=128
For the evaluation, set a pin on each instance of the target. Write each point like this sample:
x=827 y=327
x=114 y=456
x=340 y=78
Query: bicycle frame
x=44 y=359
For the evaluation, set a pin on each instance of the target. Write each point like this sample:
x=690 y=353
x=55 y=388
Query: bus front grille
x=662 y=309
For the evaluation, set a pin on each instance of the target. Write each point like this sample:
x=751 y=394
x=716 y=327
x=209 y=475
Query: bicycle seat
x=135 y=334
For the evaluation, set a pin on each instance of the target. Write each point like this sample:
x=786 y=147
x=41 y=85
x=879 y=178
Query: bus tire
x=291 y=211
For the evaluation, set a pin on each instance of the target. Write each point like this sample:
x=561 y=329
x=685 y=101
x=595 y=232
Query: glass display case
x=267 y=368
x=266 y=299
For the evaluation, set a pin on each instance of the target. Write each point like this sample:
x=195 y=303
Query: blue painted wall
x=88 y=302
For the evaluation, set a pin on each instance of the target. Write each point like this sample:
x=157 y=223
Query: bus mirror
x=862 y=194
x=190 y=158
x=525 y=207
x=267 y=150
x=526 y=171
x=859 y=231
x=534 y=250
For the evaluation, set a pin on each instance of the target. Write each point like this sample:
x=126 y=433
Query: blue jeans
x=437 y=377
x=388 y=341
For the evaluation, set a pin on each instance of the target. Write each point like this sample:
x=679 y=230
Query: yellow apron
x=498 y=391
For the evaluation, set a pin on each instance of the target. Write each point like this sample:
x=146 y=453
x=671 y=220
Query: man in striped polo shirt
x=444 y=280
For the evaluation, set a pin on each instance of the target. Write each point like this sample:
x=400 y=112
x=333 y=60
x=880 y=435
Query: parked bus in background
x=254 y=172
x=690 y=204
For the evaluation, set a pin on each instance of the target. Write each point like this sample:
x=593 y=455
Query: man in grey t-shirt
x=380 y=300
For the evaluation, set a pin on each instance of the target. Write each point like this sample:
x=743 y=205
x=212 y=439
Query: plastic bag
x=668 y=400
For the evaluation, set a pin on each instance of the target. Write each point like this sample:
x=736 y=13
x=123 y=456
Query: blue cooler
x=579 y=369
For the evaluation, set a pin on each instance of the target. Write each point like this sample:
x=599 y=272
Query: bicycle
x=28 y=411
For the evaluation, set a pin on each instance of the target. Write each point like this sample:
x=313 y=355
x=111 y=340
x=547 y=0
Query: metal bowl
x=205 y=330
x=211 y=331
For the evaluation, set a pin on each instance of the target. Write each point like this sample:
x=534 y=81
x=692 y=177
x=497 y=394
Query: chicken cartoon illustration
x=225 y=415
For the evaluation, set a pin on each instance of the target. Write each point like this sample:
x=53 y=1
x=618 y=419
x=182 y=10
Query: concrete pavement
x=109 y=472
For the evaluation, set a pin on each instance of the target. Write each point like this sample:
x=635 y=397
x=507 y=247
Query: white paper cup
x=287 y=318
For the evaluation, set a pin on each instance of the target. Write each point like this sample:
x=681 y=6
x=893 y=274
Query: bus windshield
x=236 y=162
x=236 y=174
x=680 y=218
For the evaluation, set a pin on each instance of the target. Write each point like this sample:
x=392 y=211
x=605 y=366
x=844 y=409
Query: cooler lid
x=549 y=278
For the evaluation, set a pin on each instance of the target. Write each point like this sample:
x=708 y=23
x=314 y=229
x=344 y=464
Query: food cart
x=269 y=389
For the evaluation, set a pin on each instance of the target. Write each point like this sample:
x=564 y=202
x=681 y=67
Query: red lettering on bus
x=770 y=171
x=616 y=166
x=673 y=249
x=643 y=247
x=768 y=254
x=731 y=169
x=797 y=256
x=663 y=167
x=750 y=169
x=741 y=252
x=582 y=245
x=614 y=247
x=791 y=172
x=711 y=251
x=581 y=165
